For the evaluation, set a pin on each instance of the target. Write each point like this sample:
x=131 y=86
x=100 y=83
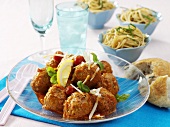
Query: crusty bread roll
x=160 y=91
x=157 y=71
x=156 y=66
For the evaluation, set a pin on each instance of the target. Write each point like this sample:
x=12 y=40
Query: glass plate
x=130 y=79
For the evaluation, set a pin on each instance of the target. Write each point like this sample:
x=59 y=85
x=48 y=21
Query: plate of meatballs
x=80 y=86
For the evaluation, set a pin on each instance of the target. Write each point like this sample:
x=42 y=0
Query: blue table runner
x=147 y=116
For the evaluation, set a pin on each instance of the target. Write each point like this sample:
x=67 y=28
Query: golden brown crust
x=158 y=91
x=107 y=67
x=81 y=73
x=55 y=98
x=159 y=66
x=41 y=82
x=107 y=102
x=77 y=106
x=157 y=71
x=109 y=82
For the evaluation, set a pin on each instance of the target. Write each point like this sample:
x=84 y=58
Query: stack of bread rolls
x=157 y=72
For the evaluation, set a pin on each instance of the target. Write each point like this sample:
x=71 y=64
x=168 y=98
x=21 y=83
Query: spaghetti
x=140 y=15
x=124 y=37
x=96 y=6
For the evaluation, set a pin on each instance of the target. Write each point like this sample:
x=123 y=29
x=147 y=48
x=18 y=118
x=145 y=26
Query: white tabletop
x=18 y=39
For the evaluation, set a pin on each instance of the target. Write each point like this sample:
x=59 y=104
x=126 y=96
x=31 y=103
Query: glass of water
x=41 y=15
x=72 y=18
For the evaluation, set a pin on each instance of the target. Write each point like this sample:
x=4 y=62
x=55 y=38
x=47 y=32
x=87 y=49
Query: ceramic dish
x=146 y=30
x=129 y=54
x=98 y=20
x=136 y=85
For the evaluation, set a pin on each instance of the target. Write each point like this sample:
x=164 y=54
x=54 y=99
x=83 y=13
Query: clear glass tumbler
x=72 y=18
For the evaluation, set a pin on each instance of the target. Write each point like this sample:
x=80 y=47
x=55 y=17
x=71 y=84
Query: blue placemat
x=147 y=116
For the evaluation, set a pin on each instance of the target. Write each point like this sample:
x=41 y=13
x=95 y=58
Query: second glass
x=41 y=14
x=72 y=21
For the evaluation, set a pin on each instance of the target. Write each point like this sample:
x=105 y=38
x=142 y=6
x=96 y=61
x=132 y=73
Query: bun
x=159 y=90
x=157 y=72
x=155 y=66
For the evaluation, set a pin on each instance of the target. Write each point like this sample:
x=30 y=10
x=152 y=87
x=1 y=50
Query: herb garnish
x=101 y=4
x=148 y=18
x=122 y=97
x=53 y=75
x=129 y=30
x=95 y=59
x=83 y=87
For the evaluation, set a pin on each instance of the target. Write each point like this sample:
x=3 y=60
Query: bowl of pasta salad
x=143 y=18
x=127 y=42
x=100 y=12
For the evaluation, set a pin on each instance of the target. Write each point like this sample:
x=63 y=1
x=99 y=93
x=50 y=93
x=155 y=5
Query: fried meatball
x=52 y=63
x=107 y=67
x=55 y=60
x=40 y=97
x=78 y=106
x=82 y=71
x=41 y=82
x=106 y=103
x=55 y=98
x=109 y=82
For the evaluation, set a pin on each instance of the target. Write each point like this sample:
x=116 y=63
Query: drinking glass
x=41 y=14
x=72 y=18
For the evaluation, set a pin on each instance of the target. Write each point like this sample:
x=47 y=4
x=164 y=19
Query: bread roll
x=160 y=92
x=155 y=66
x=157 y=71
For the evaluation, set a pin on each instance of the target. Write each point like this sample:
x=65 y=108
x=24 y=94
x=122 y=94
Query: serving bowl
x=128 y=85
x=146 y=30
x=98 y=20
x=129 y=54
